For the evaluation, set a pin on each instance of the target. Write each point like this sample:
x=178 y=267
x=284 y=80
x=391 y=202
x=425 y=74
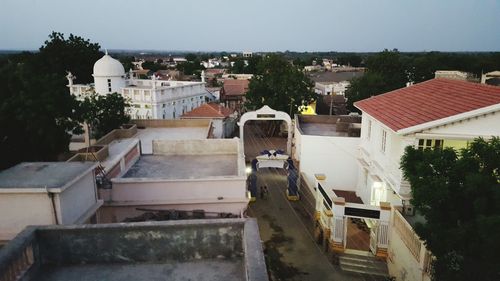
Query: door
x=374 y=238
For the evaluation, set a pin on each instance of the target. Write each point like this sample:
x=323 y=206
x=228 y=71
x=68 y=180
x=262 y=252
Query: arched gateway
x=267 y=113
x=275 y=160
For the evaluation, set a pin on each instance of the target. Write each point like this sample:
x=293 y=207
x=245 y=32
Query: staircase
x=364 y=264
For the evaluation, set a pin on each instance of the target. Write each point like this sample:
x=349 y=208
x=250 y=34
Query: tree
x=36 y=113
x=458 y=193
x=386 y=71
x=104 y=113
x=74 y=54
x=238 y=66
x=279 y=85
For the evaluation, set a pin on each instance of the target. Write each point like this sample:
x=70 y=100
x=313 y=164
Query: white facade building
x=148 y=98
x=433 y=114
x=331 y=88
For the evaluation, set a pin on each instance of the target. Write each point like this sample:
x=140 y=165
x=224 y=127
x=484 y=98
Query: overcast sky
x=257 y=25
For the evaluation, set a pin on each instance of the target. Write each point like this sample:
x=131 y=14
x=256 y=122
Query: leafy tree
x=75 y=54
x=238 y=66
x=458 y=193
x=151 y=65
x=253 y=63
x=36 y=113
x=191 y=57
x=279 y=85
x=190 y=67
x=127 y=62
x=386 y=72
x=104 y=113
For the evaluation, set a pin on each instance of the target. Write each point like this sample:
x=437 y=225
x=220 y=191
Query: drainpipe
x=54 y=210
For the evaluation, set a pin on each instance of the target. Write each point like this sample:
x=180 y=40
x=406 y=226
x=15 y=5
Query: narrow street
x=286 y=227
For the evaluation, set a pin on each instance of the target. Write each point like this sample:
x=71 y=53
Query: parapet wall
x=131 y=243
x=141 y=242
x=196 y=147
x=161 y=123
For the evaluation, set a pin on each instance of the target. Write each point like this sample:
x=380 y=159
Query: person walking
x=266 y=192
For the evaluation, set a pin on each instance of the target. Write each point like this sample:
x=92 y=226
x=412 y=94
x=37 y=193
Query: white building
x=331 y=88
x=45 y=193
x=432 y=114
x=149 y=98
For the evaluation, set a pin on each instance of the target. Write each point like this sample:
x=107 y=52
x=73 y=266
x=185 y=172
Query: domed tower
x=109 y=75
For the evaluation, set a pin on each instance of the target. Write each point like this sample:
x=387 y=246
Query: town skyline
x=354 y=26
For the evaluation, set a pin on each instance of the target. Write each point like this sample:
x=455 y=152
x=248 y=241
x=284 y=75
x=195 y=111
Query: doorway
x=357 y=234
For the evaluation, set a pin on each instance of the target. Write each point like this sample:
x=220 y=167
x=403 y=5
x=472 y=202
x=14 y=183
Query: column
x=383 y=229
x=338 y=227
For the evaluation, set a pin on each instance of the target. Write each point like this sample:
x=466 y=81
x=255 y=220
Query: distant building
x=44 y=193
x=223 y=118
x=491 y=78
x=455 y=75
x=247 y=54
x=333 y=83
x=149 y=98
x=233 y=93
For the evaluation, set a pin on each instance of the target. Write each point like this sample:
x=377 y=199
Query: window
x=429 y=143
x=384 y=140
x=109 y=85
x=369 y=131
x=163 y=105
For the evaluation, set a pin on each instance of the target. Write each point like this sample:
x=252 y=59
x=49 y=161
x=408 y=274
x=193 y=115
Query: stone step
x=363 y=264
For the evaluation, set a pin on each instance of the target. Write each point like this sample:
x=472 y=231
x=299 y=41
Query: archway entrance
x=267 y=113
x=266 y=139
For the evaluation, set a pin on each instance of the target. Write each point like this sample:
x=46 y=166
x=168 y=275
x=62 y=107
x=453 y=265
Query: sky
x=257 y=25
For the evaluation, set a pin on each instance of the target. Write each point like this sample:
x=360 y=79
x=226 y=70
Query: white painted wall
x=77 y=199
x=333 y=156
x=18 y=210
x=211 y=195
x=101 y=84
x=22 y=208
x=401 y=263
x=482 y=126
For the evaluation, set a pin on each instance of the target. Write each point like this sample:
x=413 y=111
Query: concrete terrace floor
x=203 y=270
x=183 y=166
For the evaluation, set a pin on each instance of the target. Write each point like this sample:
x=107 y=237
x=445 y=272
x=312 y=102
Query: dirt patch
x=278 y=269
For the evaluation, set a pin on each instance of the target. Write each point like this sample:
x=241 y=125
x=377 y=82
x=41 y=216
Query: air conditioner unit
x=408 y=210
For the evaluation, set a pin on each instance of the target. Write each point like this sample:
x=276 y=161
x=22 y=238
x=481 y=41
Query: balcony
x=396 y=179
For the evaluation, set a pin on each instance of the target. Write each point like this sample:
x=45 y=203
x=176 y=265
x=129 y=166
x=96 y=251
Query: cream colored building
x=45 y=193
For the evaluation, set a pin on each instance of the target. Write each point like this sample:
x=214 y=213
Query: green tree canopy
x=386 y=72
x=458 y=193
x=36 y=113
x=279 y=85
x=104 y=113
x=74 y=54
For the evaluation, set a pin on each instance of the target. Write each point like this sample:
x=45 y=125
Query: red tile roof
x=235 y=87
x=428 y=101
x=209 y=110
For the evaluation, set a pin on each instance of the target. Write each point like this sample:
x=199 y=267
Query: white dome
x=108 y=66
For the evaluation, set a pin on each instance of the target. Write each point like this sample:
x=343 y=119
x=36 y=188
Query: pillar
x=383 y=229
x=338 y=233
